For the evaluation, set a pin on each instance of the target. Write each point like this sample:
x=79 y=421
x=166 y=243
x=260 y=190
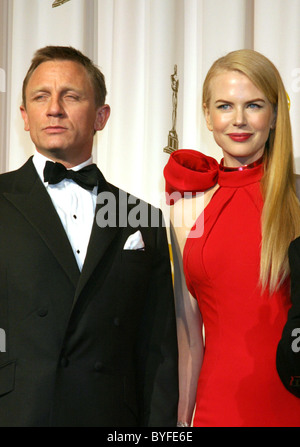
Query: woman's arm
x=189 y=322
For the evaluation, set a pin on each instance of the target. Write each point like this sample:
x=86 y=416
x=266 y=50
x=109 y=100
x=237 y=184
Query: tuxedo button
x=98 y=366
x=295 y=381
x=64 y=362
x=42 y=312
x=117 y=321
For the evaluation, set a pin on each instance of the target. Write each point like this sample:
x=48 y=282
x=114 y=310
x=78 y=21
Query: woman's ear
x=207 y=117
x=273 y=123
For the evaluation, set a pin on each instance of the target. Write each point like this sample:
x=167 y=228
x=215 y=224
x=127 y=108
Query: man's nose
x=55 y=107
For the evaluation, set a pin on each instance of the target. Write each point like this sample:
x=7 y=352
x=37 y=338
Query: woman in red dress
x=231 y=266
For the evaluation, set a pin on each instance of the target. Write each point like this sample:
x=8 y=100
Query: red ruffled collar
x=190 y=171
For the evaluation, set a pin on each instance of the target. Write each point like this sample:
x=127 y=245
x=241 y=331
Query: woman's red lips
x=239 y=136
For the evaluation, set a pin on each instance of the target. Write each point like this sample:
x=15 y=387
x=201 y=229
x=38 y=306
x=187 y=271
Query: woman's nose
x=239 y=117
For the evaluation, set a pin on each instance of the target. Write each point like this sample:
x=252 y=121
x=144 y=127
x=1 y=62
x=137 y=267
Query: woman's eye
x=224 y=106
x=254 y=106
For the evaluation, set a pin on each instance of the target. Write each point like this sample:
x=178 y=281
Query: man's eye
x=72 y=97
x=40 y=97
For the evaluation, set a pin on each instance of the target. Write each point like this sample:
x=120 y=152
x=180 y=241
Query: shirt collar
x=39 y=162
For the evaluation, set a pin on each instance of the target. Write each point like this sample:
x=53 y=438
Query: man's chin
x=54 y=152
x=69 y=157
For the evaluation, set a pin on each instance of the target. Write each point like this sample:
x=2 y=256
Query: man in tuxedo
x=86 y=302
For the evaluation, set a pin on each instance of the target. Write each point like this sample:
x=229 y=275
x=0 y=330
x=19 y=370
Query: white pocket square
x=135 y=242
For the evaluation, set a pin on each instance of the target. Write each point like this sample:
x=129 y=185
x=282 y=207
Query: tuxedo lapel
x=100 y=240
x=30 y=197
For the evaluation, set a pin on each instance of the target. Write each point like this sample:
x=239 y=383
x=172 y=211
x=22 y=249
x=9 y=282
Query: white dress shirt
x=74 y=205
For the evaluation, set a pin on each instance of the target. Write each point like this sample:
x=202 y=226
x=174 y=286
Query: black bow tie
x=86 y=177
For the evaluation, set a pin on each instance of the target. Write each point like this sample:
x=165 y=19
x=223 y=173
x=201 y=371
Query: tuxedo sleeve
x=158 y=351
x=288 y=351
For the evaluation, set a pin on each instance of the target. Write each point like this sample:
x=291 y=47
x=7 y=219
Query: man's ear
x=207 y=117
x=102 y=116
x=25 y=117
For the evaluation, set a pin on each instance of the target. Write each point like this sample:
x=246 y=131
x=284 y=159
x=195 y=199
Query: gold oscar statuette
x=59 y=3
x=173 y=137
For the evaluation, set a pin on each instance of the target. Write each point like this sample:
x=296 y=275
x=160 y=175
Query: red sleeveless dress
x=238 y=384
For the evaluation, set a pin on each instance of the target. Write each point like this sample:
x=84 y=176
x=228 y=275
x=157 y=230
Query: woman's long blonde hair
x=281 y=210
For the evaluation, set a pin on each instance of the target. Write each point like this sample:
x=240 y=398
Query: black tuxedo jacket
x=96 y=348
x=288 y=351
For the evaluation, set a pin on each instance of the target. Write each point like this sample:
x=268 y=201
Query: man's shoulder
x=11 y=179
x=7 y=179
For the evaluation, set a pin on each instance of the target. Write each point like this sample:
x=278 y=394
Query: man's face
x=60 y=111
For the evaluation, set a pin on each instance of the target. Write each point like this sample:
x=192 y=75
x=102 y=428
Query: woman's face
x=240 y=117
